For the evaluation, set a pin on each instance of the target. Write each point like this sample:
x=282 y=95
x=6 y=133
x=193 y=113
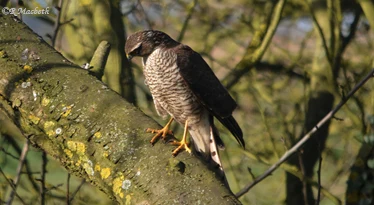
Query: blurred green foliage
x=272 y=94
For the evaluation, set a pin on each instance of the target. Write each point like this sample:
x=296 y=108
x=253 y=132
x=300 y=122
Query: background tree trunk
x=89 y=24
x=321 y=100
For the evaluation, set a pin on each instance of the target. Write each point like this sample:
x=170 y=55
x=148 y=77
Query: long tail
x=231 y=124
x=206 y=140
x=213 y=138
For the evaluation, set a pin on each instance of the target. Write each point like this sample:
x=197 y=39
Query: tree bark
x=92 y=131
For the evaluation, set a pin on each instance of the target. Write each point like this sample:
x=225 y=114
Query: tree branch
x=93 y=132
x=257 y=47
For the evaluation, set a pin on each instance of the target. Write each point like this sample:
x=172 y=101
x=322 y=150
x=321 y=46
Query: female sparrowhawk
x=184 y=86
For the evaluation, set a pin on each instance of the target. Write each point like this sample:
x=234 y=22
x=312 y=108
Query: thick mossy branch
x=93 y=131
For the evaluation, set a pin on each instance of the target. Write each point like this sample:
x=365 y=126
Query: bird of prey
x=183 y=86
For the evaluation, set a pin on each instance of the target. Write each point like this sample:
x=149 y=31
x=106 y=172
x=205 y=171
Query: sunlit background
x=280 y=95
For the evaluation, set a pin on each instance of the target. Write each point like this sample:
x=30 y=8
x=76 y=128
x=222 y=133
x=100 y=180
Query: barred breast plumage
x=168 y=88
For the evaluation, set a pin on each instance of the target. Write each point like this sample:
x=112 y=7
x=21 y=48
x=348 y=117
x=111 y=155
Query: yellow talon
x=183 y=144
x=160 y=133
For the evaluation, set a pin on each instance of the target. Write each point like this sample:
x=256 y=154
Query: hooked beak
x=129 y=57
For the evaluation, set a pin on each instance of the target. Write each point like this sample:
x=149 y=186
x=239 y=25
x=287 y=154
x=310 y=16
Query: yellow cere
x=27 y=68
x=105 y=173
x=117 y=186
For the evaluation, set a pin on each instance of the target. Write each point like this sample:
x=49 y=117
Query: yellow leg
x=161 y=133
x=182 y=144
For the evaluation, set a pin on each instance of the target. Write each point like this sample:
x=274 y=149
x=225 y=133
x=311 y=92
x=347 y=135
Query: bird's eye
x=137 y=50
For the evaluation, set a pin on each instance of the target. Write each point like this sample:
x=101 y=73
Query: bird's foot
x=182 y=145
x=159 y=133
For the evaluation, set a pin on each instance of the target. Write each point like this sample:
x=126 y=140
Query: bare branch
x=57 y=23
x=146 y=18
x=42 y=181
x=320 y=32
x=319 y=175
x=68 y=190
x=186 y=21
x=18 y=174
x=306 y=137
x=12 y=186
x=251 y=57
x=77 y=190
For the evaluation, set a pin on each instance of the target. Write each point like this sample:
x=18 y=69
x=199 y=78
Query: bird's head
x=143 y=43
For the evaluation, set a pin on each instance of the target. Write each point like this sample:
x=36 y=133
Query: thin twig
x=306 y=137
x=9 y=154
x=320 y=31
x=251 y=57
x=332 y=21
x=76 y=191
x=303 y=179
x=42 y=180
x=267 y=127
x=12 y=186
x=18 y=149
x=292 y=169
x=185 y=23
x=352 y=28
x=68 y=189
x=18 y=7
x=319 y=176
x=132 y=9
x=277 y=15
x=57 y=23
x=228 y=166
x=22 y=159
x=146 y=18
